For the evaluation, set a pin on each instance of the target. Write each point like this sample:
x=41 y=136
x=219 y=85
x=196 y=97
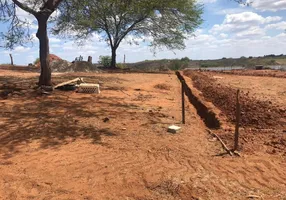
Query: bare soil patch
x=255 y=113
x=263 y=122
x=264 y=73
x=62 y=147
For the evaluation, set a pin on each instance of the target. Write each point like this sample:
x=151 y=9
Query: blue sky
x=229 y=30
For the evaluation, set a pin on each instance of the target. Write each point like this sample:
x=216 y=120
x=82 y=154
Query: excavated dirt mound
x=65 y=66
x=255 y=113
x=53 y=58
x=264 y=73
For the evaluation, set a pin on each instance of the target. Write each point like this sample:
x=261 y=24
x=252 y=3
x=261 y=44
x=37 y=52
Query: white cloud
x=277 y=26
x=235 y=47
x=272 y=19
x=244 y=25
x=249 y=18
x=20 y=49
x=268 y=5
x=206 y=1
x=255 y=31
x=223 y=35
x=28 y=18
x=229 y=11
x=54 y=40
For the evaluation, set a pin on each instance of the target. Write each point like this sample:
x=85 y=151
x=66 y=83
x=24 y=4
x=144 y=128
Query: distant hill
x=176 y=64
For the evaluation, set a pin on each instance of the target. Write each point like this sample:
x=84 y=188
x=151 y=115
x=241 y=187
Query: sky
x=229 y=30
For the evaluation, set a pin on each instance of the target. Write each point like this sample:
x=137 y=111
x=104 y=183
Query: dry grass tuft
x=162 y=86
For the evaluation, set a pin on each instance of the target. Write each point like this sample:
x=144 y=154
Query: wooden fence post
x=11 y=57
x=236 y=135
x=183 y=102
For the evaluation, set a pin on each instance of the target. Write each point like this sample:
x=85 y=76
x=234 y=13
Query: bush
x=121 y=66
x=209 y=64
x=105 y=61
x=179 y=64
x=36 y=61
x=271 y=62
x=185 y=59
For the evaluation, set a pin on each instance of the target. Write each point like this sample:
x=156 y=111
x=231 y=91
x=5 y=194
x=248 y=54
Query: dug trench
x=208 y=116
x=262 y=124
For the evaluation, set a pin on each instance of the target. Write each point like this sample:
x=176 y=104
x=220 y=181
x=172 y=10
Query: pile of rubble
x=59 y=65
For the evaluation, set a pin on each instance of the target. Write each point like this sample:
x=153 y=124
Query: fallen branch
x=222 y=143
x=125 y=93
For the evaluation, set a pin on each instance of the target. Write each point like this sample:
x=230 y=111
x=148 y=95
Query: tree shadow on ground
x=55 y=120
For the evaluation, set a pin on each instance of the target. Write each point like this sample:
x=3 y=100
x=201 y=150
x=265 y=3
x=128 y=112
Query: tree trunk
x=113 y=58
x=11 y=57
x=42 y=35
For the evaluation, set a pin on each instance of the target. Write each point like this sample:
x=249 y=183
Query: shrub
x=178 y=64
x=185 y=59
x=271 y=62
x=121 y=66
x=36 y=61
x=105 y=61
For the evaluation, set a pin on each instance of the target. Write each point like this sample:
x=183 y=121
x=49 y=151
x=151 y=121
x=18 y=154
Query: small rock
x=106 y=119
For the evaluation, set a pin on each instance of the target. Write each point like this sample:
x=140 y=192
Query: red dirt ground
x=264 y=73
x=255 y=113
x=263 y=122
x=59 y=147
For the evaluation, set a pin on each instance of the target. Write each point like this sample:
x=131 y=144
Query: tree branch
x=25 y=7
x=129 y=30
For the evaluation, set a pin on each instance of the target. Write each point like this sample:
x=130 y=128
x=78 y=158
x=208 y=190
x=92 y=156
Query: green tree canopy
x=166 y=23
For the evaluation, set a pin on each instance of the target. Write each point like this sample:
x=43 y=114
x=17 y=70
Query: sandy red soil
x=263 y=111
x=59 y=147
x=264 y=73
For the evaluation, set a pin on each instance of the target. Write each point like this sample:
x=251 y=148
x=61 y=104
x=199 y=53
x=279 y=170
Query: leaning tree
x=166 y=23
x=18 y=32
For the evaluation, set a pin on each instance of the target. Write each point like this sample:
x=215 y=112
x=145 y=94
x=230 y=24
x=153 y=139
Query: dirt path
x=58 y=147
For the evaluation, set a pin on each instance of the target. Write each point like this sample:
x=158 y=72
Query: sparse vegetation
x=162 y=86
x=166 y=23
x=36 y=61
x=121 y=66
x=105 y=61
